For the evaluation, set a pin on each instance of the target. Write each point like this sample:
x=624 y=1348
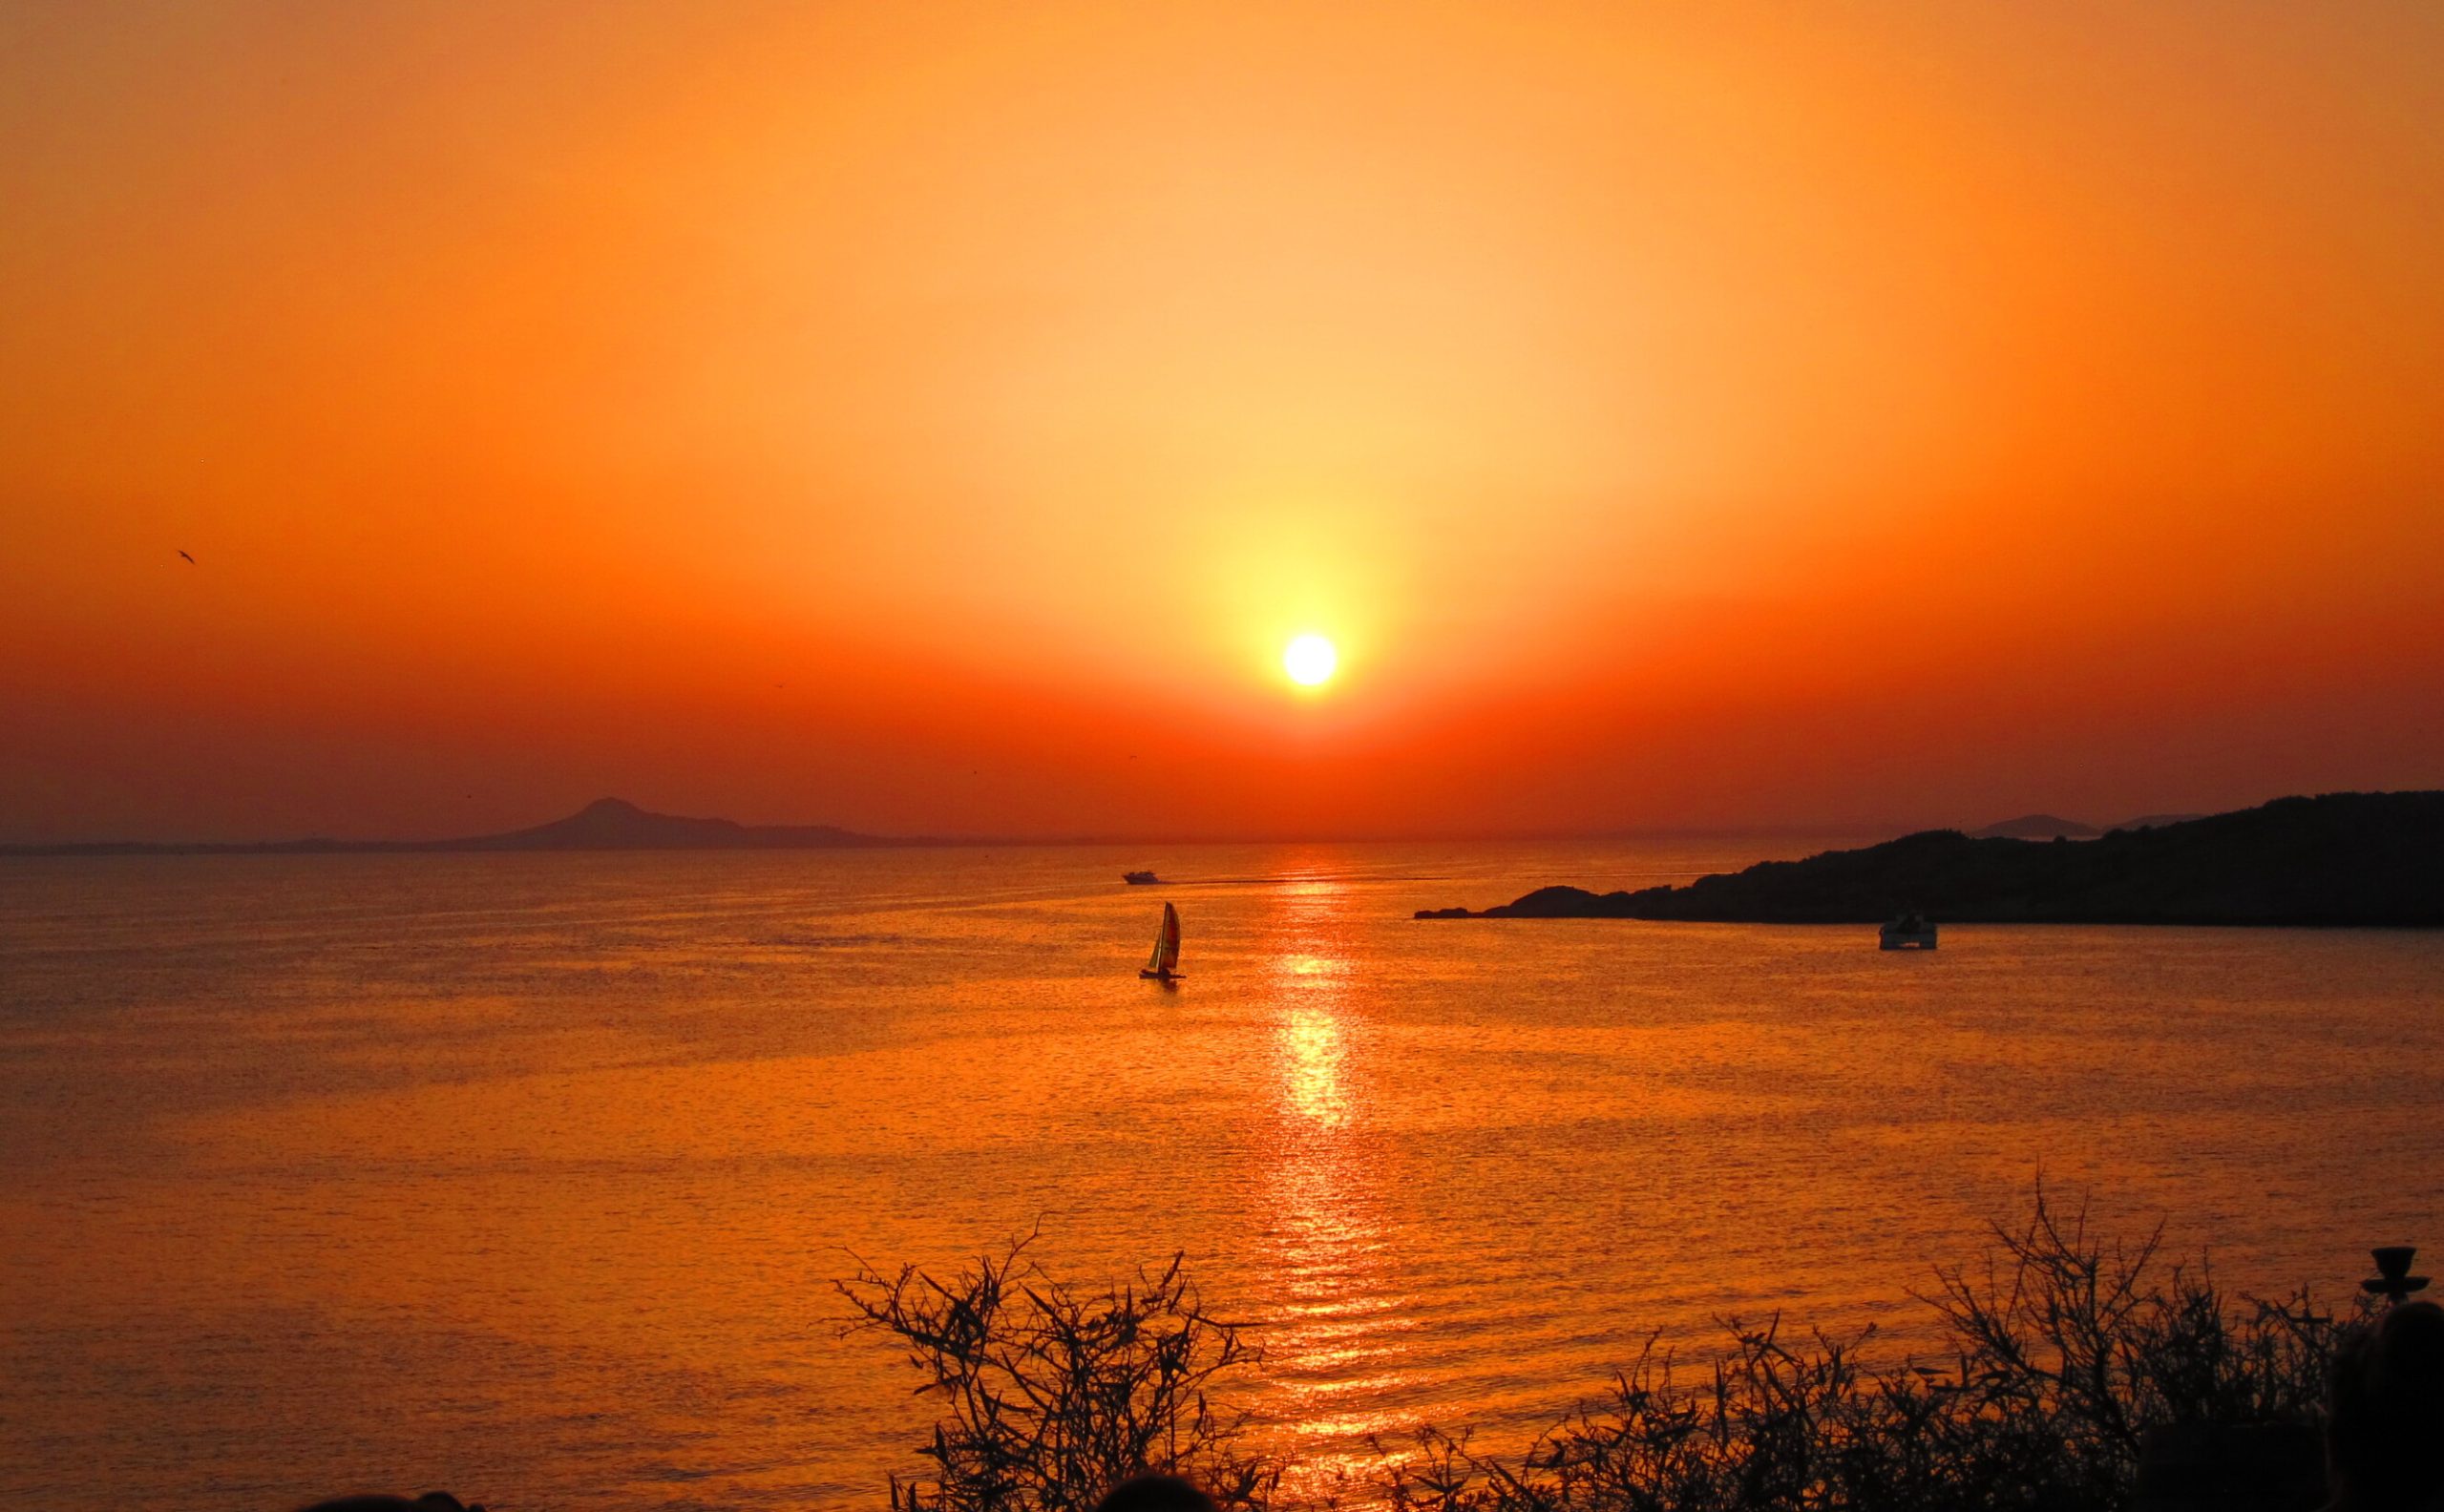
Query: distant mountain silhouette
x=606 y=824
x=2036 y=827
x=615 y=824
x=2342 y=858
x=2155 y=821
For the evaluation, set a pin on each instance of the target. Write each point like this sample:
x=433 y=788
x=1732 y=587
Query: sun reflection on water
x=1312 y=1048
x=1335 y=1349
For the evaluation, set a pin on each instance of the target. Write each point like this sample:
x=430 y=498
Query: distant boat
x=1909 y=931
x=1164 y=964
x=1139 y=878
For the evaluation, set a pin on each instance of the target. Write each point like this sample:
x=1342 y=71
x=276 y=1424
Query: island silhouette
x=606 y=824
x=2337 y=859
x=2051 y=827
x=2036 y=827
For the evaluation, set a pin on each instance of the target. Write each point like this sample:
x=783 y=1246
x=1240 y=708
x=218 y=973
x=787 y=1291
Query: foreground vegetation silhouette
x=1051 y=1395
x=2062 y=1352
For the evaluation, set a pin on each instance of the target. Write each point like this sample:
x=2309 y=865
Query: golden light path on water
x=1334 y=1354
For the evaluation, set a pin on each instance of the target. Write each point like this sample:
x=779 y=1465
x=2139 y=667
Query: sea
x=531 y=1176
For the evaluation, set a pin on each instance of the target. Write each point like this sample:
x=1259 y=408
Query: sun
x=1309 y=660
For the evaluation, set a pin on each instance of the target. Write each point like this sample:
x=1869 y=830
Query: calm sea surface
x=527 y=1175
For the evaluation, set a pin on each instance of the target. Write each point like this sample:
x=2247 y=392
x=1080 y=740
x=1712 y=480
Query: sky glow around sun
x=942 y=426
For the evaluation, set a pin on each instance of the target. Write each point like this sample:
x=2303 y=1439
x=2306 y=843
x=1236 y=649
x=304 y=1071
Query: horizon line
x=853 y=839
x=324 y=844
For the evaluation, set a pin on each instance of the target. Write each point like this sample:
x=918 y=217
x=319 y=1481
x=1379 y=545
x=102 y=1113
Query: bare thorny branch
x=1051 y=1394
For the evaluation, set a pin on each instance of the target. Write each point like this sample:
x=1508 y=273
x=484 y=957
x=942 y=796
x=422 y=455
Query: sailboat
x=1164 y=964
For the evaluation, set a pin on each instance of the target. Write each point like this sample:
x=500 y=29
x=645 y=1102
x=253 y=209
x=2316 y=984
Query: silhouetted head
x=429 y=1502
x=2386 y=1438
x=1155 y=1493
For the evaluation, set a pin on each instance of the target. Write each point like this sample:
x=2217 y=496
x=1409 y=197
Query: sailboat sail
x=1166 y=959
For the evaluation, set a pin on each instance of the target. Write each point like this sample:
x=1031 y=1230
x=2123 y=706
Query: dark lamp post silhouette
x=2393 y=1280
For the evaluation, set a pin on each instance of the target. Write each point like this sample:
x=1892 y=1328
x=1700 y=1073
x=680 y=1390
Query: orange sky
x=936 y=418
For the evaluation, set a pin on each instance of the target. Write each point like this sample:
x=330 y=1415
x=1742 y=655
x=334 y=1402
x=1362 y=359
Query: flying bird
x=190 y=559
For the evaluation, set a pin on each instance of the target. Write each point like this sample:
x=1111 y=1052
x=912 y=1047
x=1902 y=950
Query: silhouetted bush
x=1050 y=1396
x=2062 y=1350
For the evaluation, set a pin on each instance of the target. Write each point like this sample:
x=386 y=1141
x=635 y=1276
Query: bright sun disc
x=1309 y=660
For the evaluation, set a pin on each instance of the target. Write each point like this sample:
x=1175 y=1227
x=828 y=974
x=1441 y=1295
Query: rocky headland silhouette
x=606 y=824
x=2337 y=859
